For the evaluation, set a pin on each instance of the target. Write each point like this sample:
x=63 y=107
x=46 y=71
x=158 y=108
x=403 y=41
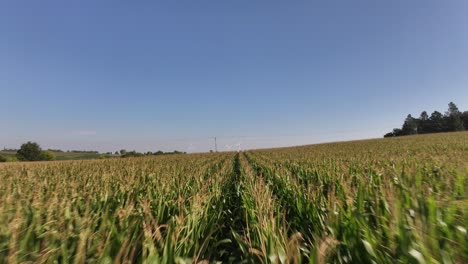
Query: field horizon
x=85 y=155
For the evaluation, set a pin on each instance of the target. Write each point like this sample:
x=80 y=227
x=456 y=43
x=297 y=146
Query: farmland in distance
x=372 y=201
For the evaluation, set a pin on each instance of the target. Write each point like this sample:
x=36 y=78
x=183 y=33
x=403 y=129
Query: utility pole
x=216 y=145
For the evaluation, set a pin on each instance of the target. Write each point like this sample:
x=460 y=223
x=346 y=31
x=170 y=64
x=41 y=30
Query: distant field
x=60 y=155
x=396 y=200
x=7 y=153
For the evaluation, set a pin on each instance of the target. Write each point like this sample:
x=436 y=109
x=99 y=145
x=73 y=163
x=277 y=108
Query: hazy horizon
x=171 y=76
x=202 y=145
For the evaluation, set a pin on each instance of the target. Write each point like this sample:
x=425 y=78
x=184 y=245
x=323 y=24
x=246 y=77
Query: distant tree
x=423 y=123
x=30 y=151
x=436 y=122
x=132 y=154
x=423 y=116
x=453 y=118
x=464 y=117
x=410 y=127
x=55 y=150
x=453 y=109
x=395 y=133
x=123 y=152
x=85 y=151
x=3 y=159
x=9 y=150
x=398 y=132
x=116 y=153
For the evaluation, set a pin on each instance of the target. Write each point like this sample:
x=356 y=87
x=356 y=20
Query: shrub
x=47 y=155
x=105 y=156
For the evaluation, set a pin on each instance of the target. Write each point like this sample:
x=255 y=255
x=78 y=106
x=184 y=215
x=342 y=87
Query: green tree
x=436 y=122
x=410 y=127
x=453 y=117
x=3 y=158
x=395 y=133
x=453 y=109
x=30 y=151
x=423 y=124
x=464 y=118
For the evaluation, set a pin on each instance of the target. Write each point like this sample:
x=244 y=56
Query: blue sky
x=150 y=75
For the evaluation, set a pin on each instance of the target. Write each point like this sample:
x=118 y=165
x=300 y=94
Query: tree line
x=452 y=120
x=127 y=154
x=32 y=151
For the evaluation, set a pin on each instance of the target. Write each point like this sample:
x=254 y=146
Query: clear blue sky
x=151 y=75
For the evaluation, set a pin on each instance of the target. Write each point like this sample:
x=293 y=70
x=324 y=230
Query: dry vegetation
x=376 y=201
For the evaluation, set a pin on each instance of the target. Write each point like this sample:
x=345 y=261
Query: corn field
x=396 y=200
